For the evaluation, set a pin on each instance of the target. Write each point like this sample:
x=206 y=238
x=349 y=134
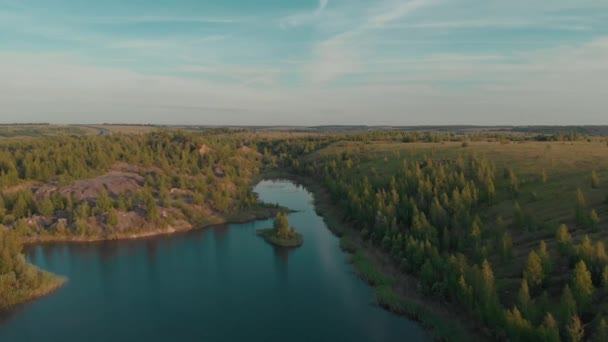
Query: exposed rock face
x=218 y=171
x=114 y=182
x=204 y=149
x=248 y=150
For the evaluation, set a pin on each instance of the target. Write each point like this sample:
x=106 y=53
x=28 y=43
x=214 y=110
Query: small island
x=281 y=234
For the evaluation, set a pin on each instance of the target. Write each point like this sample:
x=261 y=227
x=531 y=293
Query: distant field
x=126 y=129
x=29 y=131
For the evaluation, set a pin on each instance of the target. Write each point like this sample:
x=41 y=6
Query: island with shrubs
x=281 y=234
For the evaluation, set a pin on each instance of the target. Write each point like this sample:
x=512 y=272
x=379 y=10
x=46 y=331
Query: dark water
x=216 y=284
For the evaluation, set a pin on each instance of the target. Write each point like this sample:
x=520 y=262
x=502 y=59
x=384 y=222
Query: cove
x=217 y=284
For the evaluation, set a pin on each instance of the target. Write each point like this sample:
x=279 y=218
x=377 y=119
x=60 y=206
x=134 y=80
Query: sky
x=304 y=62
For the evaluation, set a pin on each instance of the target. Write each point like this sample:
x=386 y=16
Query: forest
x=507 y=230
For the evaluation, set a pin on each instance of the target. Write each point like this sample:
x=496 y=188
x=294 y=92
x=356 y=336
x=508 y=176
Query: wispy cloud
x=163 y=19
x=305 y=17
x=340 y=55
x=322 y=6
x=396 y=10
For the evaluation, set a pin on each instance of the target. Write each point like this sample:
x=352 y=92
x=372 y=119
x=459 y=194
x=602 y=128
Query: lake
x=216 y=284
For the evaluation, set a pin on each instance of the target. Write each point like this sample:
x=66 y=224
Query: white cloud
x=565 y=85
x=340 y=55
x=322 y=6
x=397 y=10
x=160 y=19
x=303 y=18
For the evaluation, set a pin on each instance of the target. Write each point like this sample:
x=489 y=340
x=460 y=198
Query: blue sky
x=306 y=62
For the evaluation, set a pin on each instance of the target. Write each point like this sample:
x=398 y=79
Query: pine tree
x=513 y=183
x=507 y=246
x=2 y=208
x=46 y=207
x=574 y=329
x=564 y=240
x=524 y=301
x=281 y=226
x=517 y=325
x=543 y=176
x=581 y=217
x=595 y=181
x=112 y=217
x=601 y=335
x=594 y=220
x=104 y=202
x=534 y=270
x=20 y=207
x=568 y=306
x=550 y=329
x=60 y=228
x=582 y=284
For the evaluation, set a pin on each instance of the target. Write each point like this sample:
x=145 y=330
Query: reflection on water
x=217 y=284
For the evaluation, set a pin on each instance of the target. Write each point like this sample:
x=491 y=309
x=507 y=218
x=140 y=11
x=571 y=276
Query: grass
x=368 y=270
x=269 y=235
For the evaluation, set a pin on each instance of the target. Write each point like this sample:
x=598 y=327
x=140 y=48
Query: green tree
x=517 y=326
x=20 y=207
x=2 y=208
x=506 y=246
x=594 y=220
x=47 y=208
x=574 y=329
x=564 y=240
x=524 y=301
x=550 y=329
x=281 y=226
x=112 y=217
x=601 y=335
x=581 y=217
x=534 y=270
x=582 y=284
x=81 y=227
x=595 y=181
x=10 y=249
x=151 y=208
x=568 y=306
x=544 y=256
x=104 y=202
x=60 y=228
x=83 y=211
x=513 y=183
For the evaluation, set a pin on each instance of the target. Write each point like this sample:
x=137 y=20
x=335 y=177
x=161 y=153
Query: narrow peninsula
x=20 y=281
x=281 y=234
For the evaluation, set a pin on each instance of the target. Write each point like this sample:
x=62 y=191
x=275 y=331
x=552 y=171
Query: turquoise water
x=216 y=284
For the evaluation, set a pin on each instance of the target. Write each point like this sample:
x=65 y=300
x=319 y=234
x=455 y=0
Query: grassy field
x=31 y=131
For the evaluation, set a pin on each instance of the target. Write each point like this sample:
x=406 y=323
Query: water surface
x=217 y=284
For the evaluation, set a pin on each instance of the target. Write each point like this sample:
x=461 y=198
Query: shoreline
x=400 y=295
x=251 y=217
x=268 y=235
x=53 y=283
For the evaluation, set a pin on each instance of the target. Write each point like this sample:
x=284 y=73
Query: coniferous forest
x=503 y=234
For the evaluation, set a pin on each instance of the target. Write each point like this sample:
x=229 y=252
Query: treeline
x=428 y=218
